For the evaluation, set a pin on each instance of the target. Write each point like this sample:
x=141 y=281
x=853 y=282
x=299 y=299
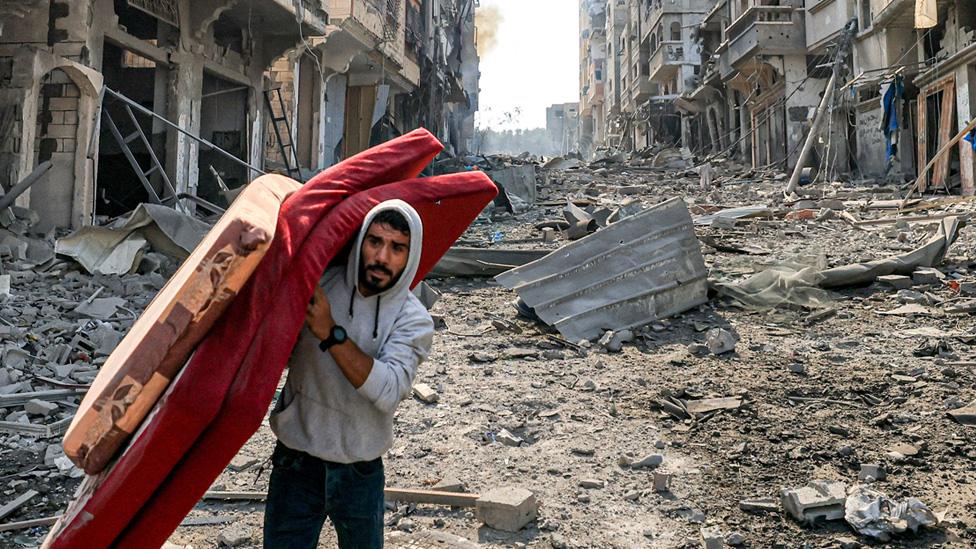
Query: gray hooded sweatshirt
x=319 y=411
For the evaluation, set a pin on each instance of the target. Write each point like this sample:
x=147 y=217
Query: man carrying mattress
x=355 y=360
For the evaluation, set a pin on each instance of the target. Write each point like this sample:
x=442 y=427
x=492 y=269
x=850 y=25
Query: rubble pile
x=834 y=415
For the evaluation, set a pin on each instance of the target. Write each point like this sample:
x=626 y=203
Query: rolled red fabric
x=447 y=205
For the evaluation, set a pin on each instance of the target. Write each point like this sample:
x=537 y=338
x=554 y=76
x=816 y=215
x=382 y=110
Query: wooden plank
x=24 y=524
x=453 y=499
x=711 y=404
x=17 y=503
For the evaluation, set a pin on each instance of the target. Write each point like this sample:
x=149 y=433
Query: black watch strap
x=337 y=336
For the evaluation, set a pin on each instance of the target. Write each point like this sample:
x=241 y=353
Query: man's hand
x=319 y=315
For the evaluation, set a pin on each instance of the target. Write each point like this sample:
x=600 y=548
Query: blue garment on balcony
x=889 y=125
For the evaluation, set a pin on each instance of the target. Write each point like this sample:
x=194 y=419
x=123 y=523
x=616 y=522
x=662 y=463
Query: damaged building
x=113 y=103
x=746 y=78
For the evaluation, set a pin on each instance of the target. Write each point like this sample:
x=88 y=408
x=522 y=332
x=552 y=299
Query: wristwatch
x=337 y=336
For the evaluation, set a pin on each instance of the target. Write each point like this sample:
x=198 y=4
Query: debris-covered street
x=861 y=385
x=484 y=273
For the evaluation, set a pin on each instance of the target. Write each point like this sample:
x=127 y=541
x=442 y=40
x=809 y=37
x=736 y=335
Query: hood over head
x=402 y=285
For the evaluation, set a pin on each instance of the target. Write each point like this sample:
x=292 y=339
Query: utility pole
x=843 y=47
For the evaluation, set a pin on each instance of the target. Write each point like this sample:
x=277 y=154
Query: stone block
x=425 y=393
x=508 y=509
x=927 y=276
x=712 y=538
x=897 y=282
x=819 y=500
x=40 y=407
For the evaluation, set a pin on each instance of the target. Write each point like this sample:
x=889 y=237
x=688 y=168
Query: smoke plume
x=487 y=19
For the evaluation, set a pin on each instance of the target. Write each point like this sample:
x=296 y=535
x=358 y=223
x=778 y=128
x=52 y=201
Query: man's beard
x=371 y=283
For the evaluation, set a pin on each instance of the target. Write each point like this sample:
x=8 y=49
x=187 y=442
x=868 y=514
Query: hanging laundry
x=889 y=123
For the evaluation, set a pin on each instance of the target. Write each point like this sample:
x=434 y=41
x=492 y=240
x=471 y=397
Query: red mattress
x=107 y=502
x=448 y=203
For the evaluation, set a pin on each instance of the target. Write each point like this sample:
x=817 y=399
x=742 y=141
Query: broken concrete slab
x=507 y=438
x=815 y=502
x=643 y=268
x=507 y=508
x=898 y=282
x=101 y=308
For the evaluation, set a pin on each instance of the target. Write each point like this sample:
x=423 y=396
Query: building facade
x=745 y=78
x=562 y=127
x=175 y=101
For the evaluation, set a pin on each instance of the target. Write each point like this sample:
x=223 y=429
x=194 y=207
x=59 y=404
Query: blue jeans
x=304 y=490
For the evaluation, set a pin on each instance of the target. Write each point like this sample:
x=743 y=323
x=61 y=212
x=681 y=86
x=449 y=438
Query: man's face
x=382 y=258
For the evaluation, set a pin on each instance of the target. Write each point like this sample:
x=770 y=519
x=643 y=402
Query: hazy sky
x=534 y=61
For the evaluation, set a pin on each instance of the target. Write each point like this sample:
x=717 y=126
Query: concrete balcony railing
x=763 y=30
x=666 y=60
x=641 y=89
x=651 y=14
x=594 y=93
x=382 y=21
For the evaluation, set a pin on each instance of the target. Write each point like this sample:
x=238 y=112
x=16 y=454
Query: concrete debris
x=649 y=461
x=871 y=472
x=508 y=508
x=40 y=407
x=720 y=341
x=816 y=502
x=613 y=341
x=102 y=308
x=508 y=439
x=760 y=505
x=235 y=535
x=712 y=538
x=425 y=393
x=662 y=482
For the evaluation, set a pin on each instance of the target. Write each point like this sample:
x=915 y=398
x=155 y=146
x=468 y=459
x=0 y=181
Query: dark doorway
x=223 y=122
x=119 y=189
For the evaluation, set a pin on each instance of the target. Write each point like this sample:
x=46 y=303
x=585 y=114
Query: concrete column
x=801 y=106
x=183 y=105
x=333 y=117
x=745 y=126
x=965 y=109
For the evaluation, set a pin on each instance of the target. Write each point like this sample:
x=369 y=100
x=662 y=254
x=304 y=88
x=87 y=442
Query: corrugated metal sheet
x=645 y=267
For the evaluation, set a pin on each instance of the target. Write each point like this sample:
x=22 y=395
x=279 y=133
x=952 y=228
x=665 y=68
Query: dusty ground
x=580 y=413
